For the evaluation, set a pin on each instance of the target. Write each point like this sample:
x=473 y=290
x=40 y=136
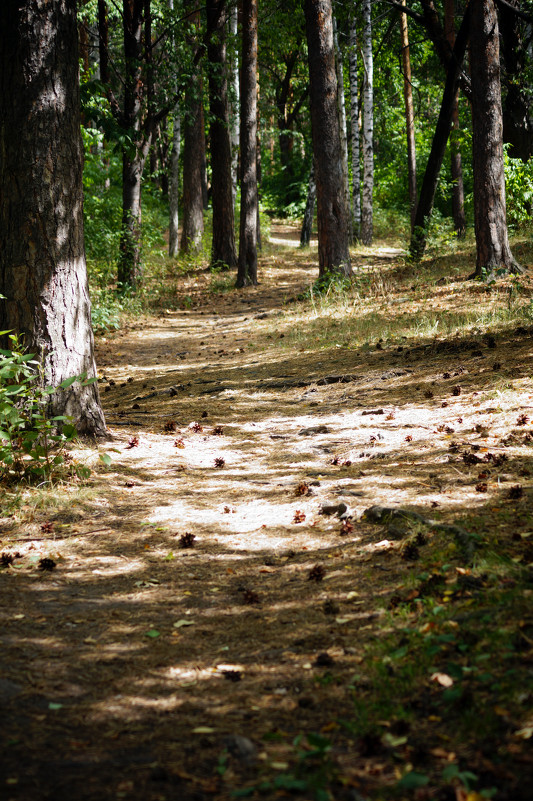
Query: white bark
x=342 y=120
x=354 y=122
x=234 y=110
x=368 y=128
x=173 y=187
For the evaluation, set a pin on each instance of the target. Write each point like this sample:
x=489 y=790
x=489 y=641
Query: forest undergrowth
x=306 y=569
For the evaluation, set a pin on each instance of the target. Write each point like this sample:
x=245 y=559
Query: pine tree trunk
x=367 y=215
x=223 y=249
x=409 y=116
x=438 y=145
x=193 y=202
x=332 y=212
x=42 y=258
x=247 y=268
x=458 y=195
x=494 y=255
x=354 y=123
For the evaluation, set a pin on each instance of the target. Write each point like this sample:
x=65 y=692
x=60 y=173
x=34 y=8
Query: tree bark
x=234 y=121
x=342 y=120
x=42 y=257
x=354 y=123
x=409 y=116
x=223 y=249
x=458 y=194
x=309 y=214
x=494 y=255
x=367 y=215
x=174 y=186
x=247 y=267
x=438 y=145
x=332 y=212
x=193 y=203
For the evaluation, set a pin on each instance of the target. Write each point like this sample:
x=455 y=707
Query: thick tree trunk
x=309 y=214
x=409 y=116
x=223 y=249
x=494 y=255
x=332 y=212
x=193 y=203
x=354 y=123
x=458 y=194
x=367 y=215
x=42 y=257
x=247 y=269
x=438 y=145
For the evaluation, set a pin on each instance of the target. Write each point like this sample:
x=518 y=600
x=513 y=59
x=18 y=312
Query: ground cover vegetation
x=296 y=562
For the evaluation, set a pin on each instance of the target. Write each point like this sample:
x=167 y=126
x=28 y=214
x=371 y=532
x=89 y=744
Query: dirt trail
x=136 y=666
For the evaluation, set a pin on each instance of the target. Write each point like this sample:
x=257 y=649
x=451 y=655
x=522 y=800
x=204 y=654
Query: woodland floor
x=139 y=668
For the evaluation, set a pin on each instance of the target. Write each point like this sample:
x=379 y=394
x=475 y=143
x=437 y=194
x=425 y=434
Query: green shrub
x=32 y=444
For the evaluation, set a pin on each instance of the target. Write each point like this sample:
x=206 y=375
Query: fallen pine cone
x=317 y=573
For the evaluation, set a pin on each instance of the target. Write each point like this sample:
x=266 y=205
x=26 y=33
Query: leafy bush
x=518 y=190
x=31 y=443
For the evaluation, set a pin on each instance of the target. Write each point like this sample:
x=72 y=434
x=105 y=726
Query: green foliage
x=31 y=443
x=519 y=190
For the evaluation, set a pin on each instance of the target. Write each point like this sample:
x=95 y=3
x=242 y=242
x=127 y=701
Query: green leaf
x=105 y=458
x=412 y=780
x=153 y=633
x=54 y=706
x=68 y=382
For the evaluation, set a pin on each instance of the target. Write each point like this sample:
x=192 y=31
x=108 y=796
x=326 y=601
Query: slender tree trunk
x=332 y=212
x=247 y=269
x=174 y=186
x=342 y=119
x=409 y=116
x=193 y=203
x=234 y=111
x=458 y=195
x=133 y=157
x=223 y=249
x=354 y=123
x=494 y=255
x=367 y=214
x=309 y=214
x=438 y=145
x=42 y=257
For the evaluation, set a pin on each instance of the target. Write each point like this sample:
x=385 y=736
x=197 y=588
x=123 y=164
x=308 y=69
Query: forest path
x=135 y=668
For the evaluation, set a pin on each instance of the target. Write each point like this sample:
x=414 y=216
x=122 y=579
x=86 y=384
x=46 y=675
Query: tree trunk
x=332 y=212
x=342 y=120
x=354 y=123
x=438 y=145
x=367 y=215
x=309 y=214
x=223 y=249
x=409 y=116
x=247 y=269
x=193 y=203
x=458 y=194
x=234 y=121
x=133 y=157
x=494 y=255
x=42 y=257
x=174 y=186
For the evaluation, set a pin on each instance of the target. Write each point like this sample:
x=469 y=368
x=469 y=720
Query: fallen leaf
x=179 y=623
x=203 y=730
x=153 y=633
x=443 y=679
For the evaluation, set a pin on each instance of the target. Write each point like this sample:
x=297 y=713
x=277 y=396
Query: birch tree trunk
x=342 y=121
x=368 y=128
x=354 y=124
x=247 y=267
x=307 y=225
x=409 y=116
x=174 y=186
x=332 y=211
x=234 y=109
x=42 y=258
